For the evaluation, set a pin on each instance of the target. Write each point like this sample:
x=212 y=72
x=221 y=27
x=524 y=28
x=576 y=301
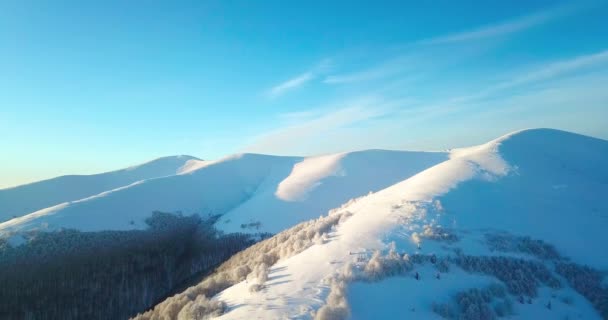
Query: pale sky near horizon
x=95 y=86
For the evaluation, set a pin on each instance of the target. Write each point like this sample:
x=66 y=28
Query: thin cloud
x=547 y=72
x=560 y=74
x=313 y=130
x=366 y=75
x=299 y=80
x=563 y=103
x=290 y=84
x=399 y=65
x=384 y=70
x=559 y=68
x=383 y=122
x=504 y=28
x=300 y=116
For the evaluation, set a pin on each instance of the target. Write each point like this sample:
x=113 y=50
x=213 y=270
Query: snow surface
x=277 y=192
x=351 y=175
x=506 y=184
x=24 y=199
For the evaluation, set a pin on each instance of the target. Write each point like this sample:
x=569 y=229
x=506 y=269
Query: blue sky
x=90 y=86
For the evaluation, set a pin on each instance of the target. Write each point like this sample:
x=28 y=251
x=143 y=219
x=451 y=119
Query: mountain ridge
x=30 y=197
x=245 y=182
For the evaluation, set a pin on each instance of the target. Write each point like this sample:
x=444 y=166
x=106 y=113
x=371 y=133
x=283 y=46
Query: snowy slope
x=28 y=198
x=315 y=185
x=546 y=184
x=253 y=192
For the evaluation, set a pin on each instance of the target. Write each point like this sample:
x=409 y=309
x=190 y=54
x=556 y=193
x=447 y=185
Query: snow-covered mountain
x=503 y=229
x=253 y=192
x=24 y=199
x=511 y=228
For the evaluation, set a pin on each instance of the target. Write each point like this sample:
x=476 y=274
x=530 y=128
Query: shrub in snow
x=380 y=266
x=201 y=308
x=508 y=243
x=239 y=273
x=252 y=225
x=416 y=239
x=331 y=313
x=255 y=287
x=522 y=277
x=393 y=264
x=444 y=310
x=503 y=308
x=437 y=206
x=588 y=282
x=318 y=239
x=260 y=273
x=418 y=258
x=476 y=304
x=336 y=306
x=495 y=290
x=537 y=248
x=373 y=268
x=348 y=272
x=443 y=265
x=4 y=244
x=438 y=233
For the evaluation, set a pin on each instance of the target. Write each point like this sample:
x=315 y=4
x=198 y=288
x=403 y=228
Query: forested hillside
x=108 y=274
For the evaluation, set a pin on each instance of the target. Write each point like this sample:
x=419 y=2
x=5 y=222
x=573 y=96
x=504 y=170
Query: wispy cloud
x=406 y=65
x=365 y=75
x=386 y=69
x=300 y=116
x=559 y=76
x=318 y=125
x=419 y=51
x=547 y=72
x=554 y=94
x=559 y=68
x=570 y=75
x=299 y=80
x=576 y=102
x=503 y=28
x=290 y=84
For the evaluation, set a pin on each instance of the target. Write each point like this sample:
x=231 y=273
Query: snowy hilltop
x=511 y=228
